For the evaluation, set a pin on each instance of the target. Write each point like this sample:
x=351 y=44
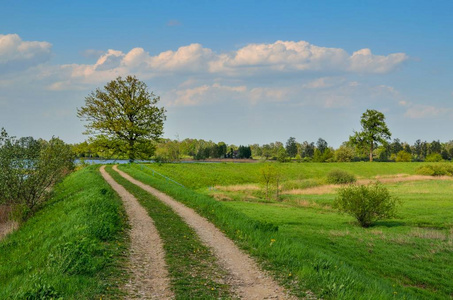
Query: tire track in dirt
x=149 y=275
x=246 y=279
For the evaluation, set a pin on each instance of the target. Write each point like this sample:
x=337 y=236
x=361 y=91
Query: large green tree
x=374 y=131
x=124 y=116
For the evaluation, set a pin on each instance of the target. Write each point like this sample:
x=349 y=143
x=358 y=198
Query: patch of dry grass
x=432 y=234
x=339 y=232
x=238 y=187
x=221 y=197
x=317 y=190
x=7 y=227
x=331 y=188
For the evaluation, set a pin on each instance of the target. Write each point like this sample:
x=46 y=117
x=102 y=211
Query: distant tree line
x=292 y=150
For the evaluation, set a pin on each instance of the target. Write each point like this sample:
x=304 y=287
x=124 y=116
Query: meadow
x=308 y=245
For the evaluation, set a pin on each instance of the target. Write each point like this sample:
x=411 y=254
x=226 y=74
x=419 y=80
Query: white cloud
x=252 y=60
x=16 y=54
x=363 y=61
x=203 y=94
x=325 y=82
x=419 y=111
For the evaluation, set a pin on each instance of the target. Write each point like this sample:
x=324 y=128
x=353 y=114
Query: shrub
x=28 y=170
x=367 y=203
x=403 y=156
x=435 y=170
x=340 y=177
x=425 y=170
x=344 y=154
x=434 y=157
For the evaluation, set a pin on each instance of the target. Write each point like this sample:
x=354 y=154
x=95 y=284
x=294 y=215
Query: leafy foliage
x=433 y=157
x=366 y=203
x=125 y=117
x=374 y=131
x=403 y=156
x=29 y=168
x=291 y=147
x=435 y=170
x=340 y=177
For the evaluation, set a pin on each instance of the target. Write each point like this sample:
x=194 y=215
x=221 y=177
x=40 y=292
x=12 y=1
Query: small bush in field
x=340 y=177
x=435 y=170
x=367 y=203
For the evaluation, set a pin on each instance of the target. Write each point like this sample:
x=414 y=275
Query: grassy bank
x=73 y=248
x=308 y=245
x=192 y=266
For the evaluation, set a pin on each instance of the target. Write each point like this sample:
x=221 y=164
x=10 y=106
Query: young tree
x=374 y=131
x=271 y=177
x=126 y=114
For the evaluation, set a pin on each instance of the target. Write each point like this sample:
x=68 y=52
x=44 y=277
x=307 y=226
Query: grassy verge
x=193 y=268
x=315 y=248
x=74 y=248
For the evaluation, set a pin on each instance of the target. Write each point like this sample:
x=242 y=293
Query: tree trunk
x=371 y=152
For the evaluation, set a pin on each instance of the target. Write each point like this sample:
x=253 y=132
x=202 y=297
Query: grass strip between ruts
x=75 y=247
x=193 y=268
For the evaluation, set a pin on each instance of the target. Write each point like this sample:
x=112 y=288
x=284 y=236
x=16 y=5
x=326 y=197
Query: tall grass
x=302 y=264
x=71 y=249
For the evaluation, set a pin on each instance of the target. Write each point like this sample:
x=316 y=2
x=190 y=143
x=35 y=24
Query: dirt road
x=149 y=276
x=246 y=278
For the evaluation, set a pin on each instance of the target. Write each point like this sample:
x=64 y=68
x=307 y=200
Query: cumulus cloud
x=16 y=54
x=281 y=57
x=365 y=62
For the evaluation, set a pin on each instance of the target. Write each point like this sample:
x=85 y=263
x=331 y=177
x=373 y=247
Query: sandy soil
x=147 y=268
x=246 y=279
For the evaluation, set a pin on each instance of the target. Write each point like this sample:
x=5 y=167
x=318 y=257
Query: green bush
x=403 y=156
x=340 y=177
x=29 y=169
x=435 y=170
x=434 y=157
x=367 y=203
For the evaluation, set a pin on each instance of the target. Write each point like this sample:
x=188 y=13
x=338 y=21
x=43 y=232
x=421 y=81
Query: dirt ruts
x=245 y=277
x=147 y=268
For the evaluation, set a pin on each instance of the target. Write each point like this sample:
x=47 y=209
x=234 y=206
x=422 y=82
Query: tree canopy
x=374 y=131
x=124 y=117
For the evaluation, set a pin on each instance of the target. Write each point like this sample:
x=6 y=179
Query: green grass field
x=315 y=247
x=200 y=175
x=74 y=248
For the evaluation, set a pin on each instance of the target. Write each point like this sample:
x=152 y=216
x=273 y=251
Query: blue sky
x=235 y=71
